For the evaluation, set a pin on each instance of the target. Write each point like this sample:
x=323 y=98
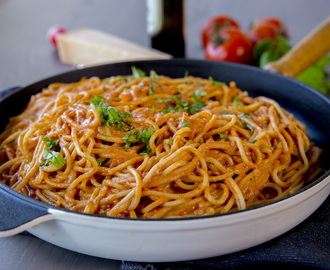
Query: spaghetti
x=155 y=147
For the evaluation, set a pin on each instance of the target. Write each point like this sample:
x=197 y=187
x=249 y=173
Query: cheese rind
x=90 y=47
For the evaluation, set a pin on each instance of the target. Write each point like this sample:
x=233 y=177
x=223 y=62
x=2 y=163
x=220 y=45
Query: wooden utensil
x=310 y=49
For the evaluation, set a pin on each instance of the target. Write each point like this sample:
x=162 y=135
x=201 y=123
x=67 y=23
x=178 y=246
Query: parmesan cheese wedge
x=88 y=47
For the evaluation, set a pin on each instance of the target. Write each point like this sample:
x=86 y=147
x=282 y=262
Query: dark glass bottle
x=165 y=26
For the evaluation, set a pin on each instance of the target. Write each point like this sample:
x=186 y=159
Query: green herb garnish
x=223 y=136
x=214 y=83
x=52 y=157
x=50 y=143
x=170 y=140
x=185 y=123
x=244 y=114
x=144 y=137
x=111 y=115
x=250 y=127
x=128 y=139
x=137 y=73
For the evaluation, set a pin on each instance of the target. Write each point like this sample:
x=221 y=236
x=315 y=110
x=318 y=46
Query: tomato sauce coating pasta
x=155 y=147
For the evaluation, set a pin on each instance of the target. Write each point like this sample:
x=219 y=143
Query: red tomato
x=262 y=31
x=214 y=25
x=234 y=46
x=280 y=26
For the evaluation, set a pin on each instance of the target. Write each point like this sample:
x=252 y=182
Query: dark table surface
x=26 y=56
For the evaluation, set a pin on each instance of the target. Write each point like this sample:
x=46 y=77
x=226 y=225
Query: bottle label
x=155 y=16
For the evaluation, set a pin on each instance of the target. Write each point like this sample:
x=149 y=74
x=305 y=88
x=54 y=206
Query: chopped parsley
x=96 y=100
x=143 y=137
x=154 y=78
x=214 y=83
x=128 y=139
x=237 y=102
x=182 y=105
x=223 y=136
x=253 y=141
x=50 y=156
x=250 y=127
x=137 y=73
x=151 y=89
x=244 y=114
x=185 y=123
x=50 y=143
x=99 y=162
x=111 y=115
x=170 y=140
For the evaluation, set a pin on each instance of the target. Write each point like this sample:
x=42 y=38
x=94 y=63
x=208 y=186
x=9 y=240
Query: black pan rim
x=55 y=78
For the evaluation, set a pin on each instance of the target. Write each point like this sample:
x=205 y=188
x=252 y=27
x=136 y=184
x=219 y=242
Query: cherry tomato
x=279 y=25
x=212 y=27
x=53 y=32
x=232 y=45
x=262 y=31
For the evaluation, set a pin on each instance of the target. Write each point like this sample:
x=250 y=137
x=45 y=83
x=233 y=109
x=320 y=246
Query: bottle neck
x=165 y=26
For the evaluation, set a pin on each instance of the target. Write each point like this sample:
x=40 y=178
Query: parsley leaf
x=137 y=73
x=50 y=143
x=170 y=140
x=182 y=105
x=244 y=114
x=128 y=139
x=154 y=77
x=185 y=123
x=250 y=127
x=144 y=137
x=199 y=92
x=111 y=115
x=96 y=100
x=223 y=136
x=214 y=83
x=52 y=157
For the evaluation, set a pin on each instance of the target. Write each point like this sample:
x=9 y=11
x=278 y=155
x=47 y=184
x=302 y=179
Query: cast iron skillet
x=174 y=239
x=308 y=105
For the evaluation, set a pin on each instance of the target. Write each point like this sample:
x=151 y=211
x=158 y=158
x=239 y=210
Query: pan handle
x=18 y=214
x=310 y=49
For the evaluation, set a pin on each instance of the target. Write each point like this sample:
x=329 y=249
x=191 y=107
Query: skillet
x=161 y=240
x=184 y=238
